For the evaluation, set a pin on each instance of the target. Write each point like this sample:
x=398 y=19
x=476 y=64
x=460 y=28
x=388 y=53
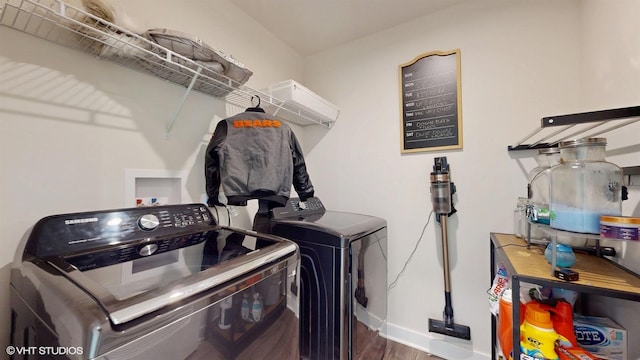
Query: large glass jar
x=584 y=186
x=538 y=187
x=539 y=178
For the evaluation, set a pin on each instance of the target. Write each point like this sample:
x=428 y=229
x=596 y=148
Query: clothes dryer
x=343 y=279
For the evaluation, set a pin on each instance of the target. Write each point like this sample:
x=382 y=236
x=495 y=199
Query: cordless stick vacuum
x=441 y=191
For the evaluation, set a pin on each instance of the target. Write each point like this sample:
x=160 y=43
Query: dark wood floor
x=369 y=345
x=397 y=351
x=277 y=341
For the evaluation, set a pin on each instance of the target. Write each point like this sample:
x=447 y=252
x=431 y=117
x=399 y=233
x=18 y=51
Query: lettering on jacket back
x=256 y=123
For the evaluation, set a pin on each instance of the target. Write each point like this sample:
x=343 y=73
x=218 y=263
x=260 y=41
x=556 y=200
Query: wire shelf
x=555 y=129
x=64 y=24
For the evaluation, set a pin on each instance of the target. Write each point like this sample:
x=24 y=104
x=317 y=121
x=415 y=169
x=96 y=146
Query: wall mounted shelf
x=576 y=126
x=63 y=24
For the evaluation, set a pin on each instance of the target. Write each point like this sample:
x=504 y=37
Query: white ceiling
x=310 y=26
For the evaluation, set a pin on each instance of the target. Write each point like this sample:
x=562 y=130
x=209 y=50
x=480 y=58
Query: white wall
x=521 y=60
x=611 y=77
x=70 y=124
x=610 y=59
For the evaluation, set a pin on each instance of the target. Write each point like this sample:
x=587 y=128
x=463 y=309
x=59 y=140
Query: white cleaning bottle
x=256 y=309
x=245 y=308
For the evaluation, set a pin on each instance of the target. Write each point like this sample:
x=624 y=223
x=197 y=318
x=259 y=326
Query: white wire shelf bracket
x=64 y=24
x=587 y=124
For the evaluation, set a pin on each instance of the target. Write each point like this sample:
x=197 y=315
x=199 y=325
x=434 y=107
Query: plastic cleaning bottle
x=256 y=308
x=245 y=309
x=562 y=320
x=537 y=335
x=225 y=313
x=505 y=316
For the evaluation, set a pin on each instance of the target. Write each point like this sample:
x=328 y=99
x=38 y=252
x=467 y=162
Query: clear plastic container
x=584 y=186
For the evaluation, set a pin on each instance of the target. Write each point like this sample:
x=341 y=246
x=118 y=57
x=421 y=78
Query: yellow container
x=537 y=336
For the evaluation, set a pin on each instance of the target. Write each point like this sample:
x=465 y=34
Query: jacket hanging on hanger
x=253 y=155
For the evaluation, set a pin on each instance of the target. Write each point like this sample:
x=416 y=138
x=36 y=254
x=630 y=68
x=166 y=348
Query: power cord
x=228 y=216
x=519 y=245
x=404 y=267
x=218 y=215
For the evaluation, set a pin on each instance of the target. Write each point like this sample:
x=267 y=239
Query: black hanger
x=256 y=108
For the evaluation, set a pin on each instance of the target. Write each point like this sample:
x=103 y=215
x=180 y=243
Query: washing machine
x=343 y=279
x=161 y=282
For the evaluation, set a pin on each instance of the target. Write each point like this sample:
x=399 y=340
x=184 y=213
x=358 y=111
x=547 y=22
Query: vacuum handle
x=445 y=252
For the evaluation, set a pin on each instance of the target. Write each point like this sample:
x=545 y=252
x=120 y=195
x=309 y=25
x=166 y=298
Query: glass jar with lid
x=539 y=177
x=584 y=186
x=538 y=187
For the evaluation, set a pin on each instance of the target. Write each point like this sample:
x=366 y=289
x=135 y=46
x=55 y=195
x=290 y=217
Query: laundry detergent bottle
x=537 y=335
x=505 y=316
x=562 y=319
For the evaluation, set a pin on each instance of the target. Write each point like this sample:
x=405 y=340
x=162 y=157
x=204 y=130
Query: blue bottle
x=565 y=257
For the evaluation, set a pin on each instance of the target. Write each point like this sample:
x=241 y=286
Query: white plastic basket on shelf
x=294 y=95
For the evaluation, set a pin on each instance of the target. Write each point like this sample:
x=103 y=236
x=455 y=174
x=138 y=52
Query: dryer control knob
x=148 y=249
x=148 y=222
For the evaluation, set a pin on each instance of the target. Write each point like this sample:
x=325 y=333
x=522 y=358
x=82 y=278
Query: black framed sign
x=430 y=102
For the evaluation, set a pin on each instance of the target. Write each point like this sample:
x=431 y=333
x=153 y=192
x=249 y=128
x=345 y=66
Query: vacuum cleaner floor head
x=459 y=331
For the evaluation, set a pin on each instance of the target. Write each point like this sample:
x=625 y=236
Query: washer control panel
x=147 y=229
x=120 y=254
x=296 y=209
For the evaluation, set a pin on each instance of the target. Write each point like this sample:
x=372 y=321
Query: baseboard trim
x=439 y=345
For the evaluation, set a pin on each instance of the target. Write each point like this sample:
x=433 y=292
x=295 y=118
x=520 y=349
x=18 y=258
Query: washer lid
x=135 y=261
x=135 y=294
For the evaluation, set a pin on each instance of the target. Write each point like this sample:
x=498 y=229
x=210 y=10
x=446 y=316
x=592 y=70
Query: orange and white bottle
x=505 y=329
